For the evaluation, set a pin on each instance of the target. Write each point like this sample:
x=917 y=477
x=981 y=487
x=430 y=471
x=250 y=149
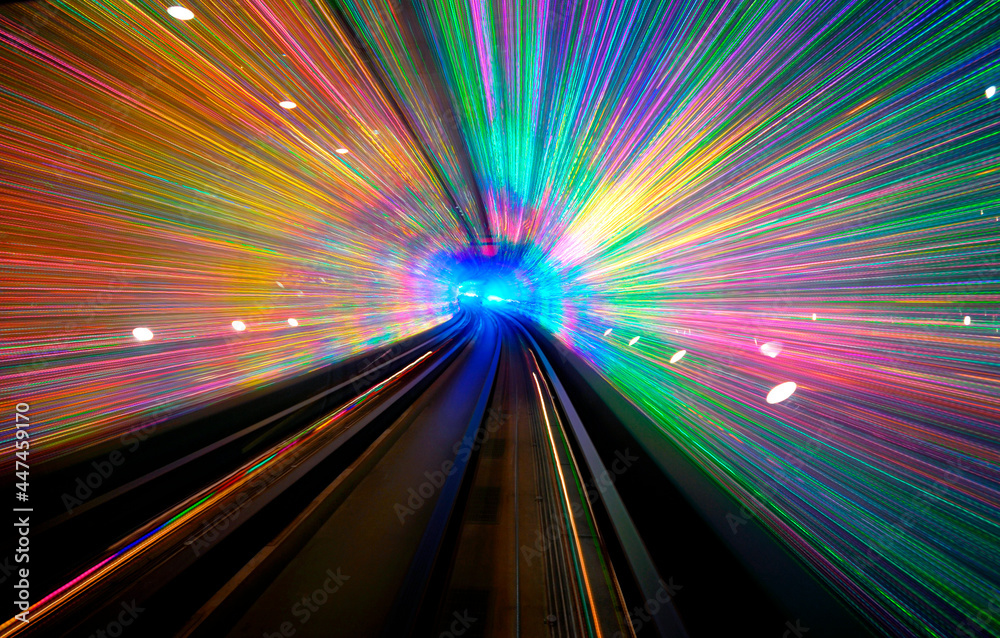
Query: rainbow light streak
x=177 y=521
x=127 y=145
x=709 y=177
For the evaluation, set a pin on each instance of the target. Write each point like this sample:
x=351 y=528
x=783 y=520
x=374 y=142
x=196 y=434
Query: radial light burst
x=149 y=178
x=802 y=196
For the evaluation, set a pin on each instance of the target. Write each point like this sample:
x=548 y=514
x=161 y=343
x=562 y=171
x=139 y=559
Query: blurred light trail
x=721 y=171
x=171 y=527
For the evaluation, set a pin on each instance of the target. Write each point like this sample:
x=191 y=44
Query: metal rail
x=667 y=622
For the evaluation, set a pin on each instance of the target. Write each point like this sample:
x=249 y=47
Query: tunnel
x=500 y=318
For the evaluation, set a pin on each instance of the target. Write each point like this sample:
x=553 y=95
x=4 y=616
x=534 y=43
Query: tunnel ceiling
x=799 y=193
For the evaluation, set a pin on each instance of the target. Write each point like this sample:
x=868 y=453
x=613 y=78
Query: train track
x=447 y=486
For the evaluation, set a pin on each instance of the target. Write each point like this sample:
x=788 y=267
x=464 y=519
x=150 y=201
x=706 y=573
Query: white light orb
x=781 y=392
x=181 y=13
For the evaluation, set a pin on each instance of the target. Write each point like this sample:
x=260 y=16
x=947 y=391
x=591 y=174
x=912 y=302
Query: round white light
x=280 y=285
x=678 y=356
x=607 y=332
x=239 y=326
x=771 y=349
x=968 y=320
x=990 y=92
x=341 y=150
x=287 y=104
x=781 y=392
x=142 y=334
x=814 y=316
x=633 y=341
x=181 y=13
x=293 y=322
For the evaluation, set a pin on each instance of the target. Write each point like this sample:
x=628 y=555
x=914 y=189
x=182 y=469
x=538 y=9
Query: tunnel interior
x=759 y=241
